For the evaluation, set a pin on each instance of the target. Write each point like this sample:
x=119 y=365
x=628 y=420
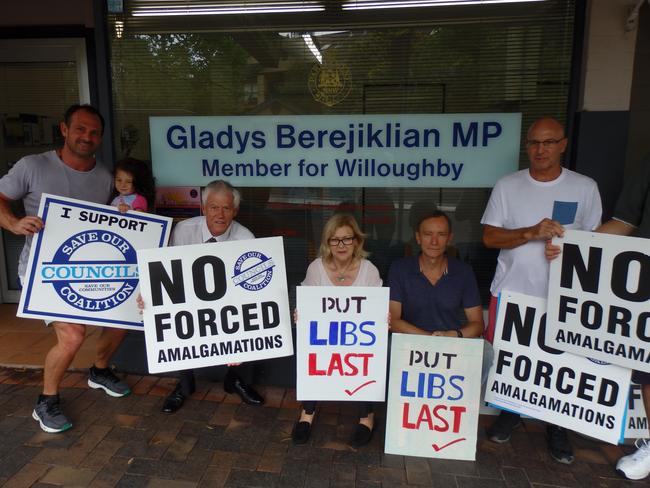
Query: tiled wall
x=609 y=56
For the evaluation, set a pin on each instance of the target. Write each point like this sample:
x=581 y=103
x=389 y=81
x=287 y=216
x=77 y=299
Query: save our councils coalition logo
x=86 y=282
x=253 y=271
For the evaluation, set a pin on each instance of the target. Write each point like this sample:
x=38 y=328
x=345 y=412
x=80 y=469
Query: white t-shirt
x=518 y=201
x=317 y=275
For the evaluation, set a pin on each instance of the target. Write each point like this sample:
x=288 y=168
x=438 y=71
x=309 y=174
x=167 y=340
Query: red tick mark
x=436 y=448
x=359 y=387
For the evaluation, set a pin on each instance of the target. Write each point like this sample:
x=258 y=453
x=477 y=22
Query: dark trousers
x=365 y=408
x=187 y=379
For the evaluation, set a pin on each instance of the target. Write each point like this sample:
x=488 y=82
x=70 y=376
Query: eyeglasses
x=335 y=241
x=545 y=143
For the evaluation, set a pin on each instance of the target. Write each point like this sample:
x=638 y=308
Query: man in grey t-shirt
x=71 y=171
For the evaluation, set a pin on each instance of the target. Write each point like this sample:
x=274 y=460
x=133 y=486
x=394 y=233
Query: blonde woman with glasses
x=341 y=262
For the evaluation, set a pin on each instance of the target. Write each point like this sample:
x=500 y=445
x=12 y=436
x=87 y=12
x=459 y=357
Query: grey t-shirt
x=46 y=173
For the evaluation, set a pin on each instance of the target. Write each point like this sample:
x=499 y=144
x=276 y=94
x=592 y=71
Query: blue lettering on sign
x=178 y=142
x=343 y=333
x=253 y=271
x=93 y=285
x=432 y=386
x=285 y=132
x=337 y=150
x=358 y=136
x=465 y=138
x=469 y=137
x=228 y=138
x=491 y=130
x=369 y=167
x=219 y=169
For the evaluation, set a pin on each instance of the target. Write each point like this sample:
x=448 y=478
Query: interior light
x=291 y=35
x=119 y=29
x=228 y=8
x=379 y=4
x=312 y=47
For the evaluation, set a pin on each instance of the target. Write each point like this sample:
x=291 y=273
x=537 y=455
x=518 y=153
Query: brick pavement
x=217 y=441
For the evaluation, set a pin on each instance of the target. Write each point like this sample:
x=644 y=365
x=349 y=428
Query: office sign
x=433 y=396
x=342 y=341
x=531 y=378
x=83 y=267
x=599 y=298
x=393 y=150
x=211 y=304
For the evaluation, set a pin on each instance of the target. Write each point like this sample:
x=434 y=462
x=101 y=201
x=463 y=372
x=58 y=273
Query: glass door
x=39 y=79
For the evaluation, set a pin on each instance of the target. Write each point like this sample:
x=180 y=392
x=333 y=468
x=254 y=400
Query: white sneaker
x=636 y=466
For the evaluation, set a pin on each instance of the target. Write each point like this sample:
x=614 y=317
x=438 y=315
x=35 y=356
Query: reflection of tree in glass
x=175 y=74
x=201 y=74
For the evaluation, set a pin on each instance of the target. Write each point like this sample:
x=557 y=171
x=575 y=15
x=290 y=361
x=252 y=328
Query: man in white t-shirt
x=526 y=209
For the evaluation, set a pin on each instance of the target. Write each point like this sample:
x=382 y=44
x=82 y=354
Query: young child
x=133 y=185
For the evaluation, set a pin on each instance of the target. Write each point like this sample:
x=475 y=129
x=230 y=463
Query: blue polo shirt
x=433 y=307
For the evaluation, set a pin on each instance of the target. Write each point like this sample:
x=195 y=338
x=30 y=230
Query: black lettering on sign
x=512 y=319
x=218 y=271
x=162 y=323
x=341 y=305
x=184 y=322
x=503 y=360
x=541 y=338
x=207 y=319
x=591 y=315
x=270 y=315
x=620 y=271
x=588 y=275
x=159 y=279
x=635 y=394
x=643 y=326
x=608 y=393
x=619 y=316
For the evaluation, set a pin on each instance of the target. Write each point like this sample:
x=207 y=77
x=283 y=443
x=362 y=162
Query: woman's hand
x=140 y=302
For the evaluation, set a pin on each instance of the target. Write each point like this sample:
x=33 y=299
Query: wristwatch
x=459 y=332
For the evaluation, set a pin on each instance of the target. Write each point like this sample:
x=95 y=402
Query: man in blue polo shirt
x=427 y=291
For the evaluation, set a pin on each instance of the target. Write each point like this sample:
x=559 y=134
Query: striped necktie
x=212 y=239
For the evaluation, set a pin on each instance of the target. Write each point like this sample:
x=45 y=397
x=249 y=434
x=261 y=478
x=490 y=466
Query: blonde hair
x=335 y=222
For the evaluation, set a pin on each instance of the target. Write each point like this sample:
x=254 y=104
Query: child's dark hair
x=143 y=181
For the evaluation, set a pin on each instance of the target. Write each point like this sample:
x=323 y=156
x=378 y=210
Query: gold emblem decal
x=329 y=82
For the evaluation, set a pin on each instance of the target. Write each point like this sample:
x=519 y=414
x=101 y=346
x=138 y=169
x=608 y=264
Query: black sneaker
x=49 y=416
x=559 y=445
x=501 y=430
x=107 y=381
x=300 y=433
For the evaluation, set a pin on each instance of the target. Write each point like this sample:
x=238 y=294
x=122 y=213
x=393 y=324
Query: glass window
x=509 y=58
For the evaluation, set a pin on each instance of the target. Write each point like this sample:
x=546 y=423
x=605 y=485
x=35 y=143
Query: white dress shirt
x=195 y=231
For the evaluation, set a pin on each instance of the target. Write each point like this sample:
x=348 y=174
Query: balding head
x=545 y=143
x=547 y=124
